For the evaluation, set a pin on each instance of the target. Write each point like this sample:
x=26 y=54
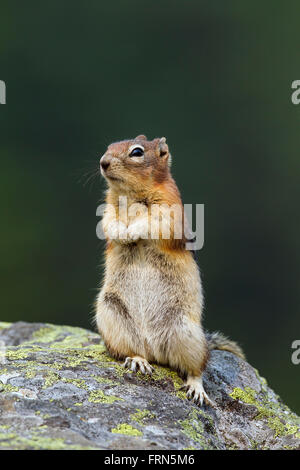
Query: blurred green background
x=215 y=79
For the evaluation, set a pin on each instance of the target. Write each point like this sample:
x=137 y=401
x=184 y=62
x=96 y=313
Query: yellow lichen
x=276 y=417
x=141 y=415
x=51 y=379
x=193 y=427
x=126 y=429
x=103 y=380
x=8 y=388
x=98 y=396
x=280 y=428
x=15 y=354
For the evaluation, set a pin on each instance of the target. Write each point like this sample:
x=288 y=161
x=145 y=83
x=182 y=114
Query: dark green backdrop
x=214 y=77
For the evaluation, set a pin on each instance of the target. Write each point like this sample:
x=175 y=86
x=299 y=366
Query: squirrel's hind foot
x=137 y=363
x=195 y=391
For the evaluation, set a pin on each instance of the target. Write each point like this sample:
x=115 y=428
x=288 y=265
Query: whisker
x=87 y=176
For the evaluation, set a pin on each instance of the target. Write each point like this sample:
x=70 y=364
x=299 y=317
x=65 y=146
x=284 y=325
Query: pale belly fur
x=142 y=305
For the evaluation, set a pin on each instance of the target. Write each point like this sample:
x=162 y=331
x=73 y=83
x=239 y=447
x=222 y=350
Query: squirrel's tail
x=217 y=340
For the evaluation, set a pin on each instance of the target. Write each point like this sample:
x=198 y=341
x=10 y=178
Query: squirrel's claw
x=196 y=392
x=138 y=363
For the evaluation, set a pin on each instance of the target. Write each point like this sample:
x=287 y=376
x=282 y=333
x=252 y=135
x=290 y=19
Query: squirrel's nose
x=104 y=162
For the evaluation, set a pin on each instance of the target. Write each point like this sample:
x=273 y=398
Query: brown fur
x=150 y=305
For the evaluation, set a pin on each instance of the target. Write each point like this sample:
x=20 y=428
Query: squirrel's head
x=136 y=164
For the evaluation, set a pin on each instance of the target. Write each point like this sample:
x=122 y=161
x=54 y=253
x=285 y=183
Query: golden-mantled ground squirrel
x=149 y=308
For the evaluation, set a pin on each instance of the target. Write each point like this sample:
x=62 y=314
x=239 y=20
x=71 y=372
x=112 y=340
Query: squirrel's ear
x=163 y=147
x=164 y=150
x=141 y=137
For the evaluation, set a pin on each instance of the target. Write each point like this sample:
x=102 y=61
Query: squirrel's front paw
x=138 y=230
x=137 y=363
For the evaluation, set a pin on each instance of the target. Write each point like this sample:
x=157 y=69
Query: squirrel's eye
x=137 y=152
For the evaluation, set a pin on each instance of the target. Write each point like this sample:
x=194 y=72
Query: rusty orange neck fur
x=154 y=192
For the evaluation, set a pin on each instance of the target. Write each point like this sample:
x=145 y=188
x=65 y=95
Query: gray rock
x=59 y=389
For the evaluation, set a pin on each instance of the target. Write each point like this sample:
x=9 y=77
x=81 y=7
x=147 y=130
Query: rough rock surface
x=59 y=389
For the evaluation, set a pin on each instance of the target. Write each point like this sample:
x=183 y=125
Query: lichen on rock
x=60 y=389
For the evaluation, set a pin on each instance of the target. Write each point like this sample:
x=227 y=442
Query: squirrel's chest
x=144 y=288
x=144 y=285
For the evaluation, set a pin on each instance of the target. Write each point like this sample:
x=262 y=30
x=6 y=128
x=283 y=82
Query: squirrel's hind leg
x=138 y=363
x=195 y=391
